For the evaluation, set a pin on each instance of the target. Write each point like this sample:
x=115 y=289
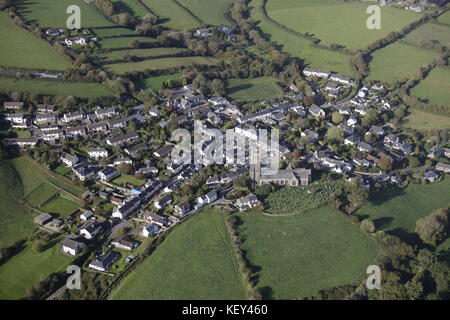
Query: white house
x=86 y=215
x=69 y=160
x=107 y=173
x=71 y=246
x=98 y=153
x=207 y=198
x=149 y=230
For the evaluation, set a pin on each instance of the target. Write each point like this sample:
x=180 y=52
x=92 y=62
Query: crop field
x=171 y=15
x=41 y=194
x=209 y=11
x=28 y=268
x=297 y=199
x=119 y=54
x=435 y=88
x=445 y=18
x=124 y=42
x=52 y=14
x=163 y=63
x=398 y=61
x=196 y=261
x=398 y=209
x=253 y=89
x=77 y=89
x=421 y=120
x=19 y=45
x=428 y=32
x=132 y=7
x=156 y=83
x=345 y=22
x=302 y=254
x=298 y=46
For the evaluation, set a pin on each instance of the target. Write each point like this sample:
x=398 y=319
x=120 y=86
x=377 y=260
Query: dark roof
x=105 y=261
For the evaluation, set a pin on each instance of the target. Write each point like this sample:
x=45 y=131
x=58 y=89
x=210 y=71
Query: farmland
x=132 y=7
x=113 y=31
x=60 y=206
x=445 y=18
x=435 y=88
x=39 y=195
x=195 y=262
x=398 y=209
x=171 y=14
x=19 y=45
x=398 y=61
x=253 y=89
x=28 y=268
x=209 y=11
x=119 y=54
x=156 y=83
x=302 y=254
x=421 y=120
x=56 y=88
x=124 y=42
x=429 y=32
x=346 y=22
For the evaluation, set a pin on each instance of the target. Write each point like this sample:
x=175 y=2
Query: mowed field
x=153 y=52
x=398 y=61
x=132 y=7
x=253 y=89
x=428 y=32
x=400 y=208
x=298 y=46
x=435 y=88
x=421 y=120
x=156 y=83
x=19 y=45
x=122 y=42
x=302 y=254
x=27 y=268
x=52 y=14
x=77 y=89
x=209 y=11
x=171 y=15
x=196 y=261
x=445 y=18
x=337 y=22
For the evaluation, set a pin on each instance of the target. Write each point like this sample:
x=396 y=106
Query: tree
x=434 y=228
x=385 y=164
x=336 y=117
x=335 y=134
x=367 y=226
x=38 y=245
x=218 y=87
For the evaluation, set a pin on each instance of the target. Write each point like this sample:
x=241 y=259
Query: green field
x=60 y=206
x=156 y=83
x=300 y=47
x=345 y=22
x=253 y=89
x=435 y=88
x=77 y=89
x=113 y=31
x=171 y=15
x=128 y=179
x=398 y=61
x=209 y=11
x=429 y=32
x=163 y=63
x=132 y=7
x=445 y=18
x=112 y=43
x=52 y=14
x=396 y=208
x=19 y=45
x=119 y=54
x=302 y=254
x=196 y=261
x=28 y=268
x=42 y=193
x=421 y=120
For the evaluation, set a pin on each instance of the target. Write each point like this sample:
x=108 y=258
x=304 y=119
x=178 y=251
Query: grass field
x=77 y=89
x=299 y=46
x=132 y=7
x=125 y=178
x=163 y=63
x=113 y=31
x=19 y=45
x=39 y=195
x=119 y=54
x=395 y=209
x=112 y=43
x=196 y=261
x=52 y=14
x=445 y=18
x=428 y=32
x=209 y=11
x=302 y=254
x=345 y=22
x=60 y=206
x=156 y=83
x=28 y=268
x=171 y=15
x=398 y=61
x=253 y=89
x=435 y=88
x=420 y=120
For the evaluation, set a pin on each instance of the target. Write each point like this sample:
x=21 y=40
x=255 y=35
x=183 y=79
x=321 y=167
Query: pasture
x=61 y=206
x=132 y=7
x=122 y=42
x=114 y=31
x=41 y=194
x=421 y=120
x=153 y=52
x=435 y=88
x=196 y=261
x=209 y=11
x=171 y=15
x=18 y=45
x=156 y=83
x=445 y=18
x=398 y=61
x=253 y=89
x=429 y=32
x=299 y=255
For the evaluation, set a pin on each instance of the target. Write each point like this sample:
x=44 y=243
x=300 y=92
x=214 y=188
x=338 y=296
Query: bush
x=434 y=228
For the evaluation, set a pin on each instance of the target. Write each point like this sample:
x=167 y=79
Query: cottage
x=157 y=219
x=182 y=209
x=13 y=105
x=246 y=203
x=98 y=153
x=71 y=247
x=105 y=113
x=208 y=198
x=316 y=111
x=21 y=142
x=104 y=262
x=83 y=172
x=125 y=243
x=91 y=229
x=122 y=139
x=444 y=167
x=163 y=202
x=69 y=160
x=436 y=153
x=149 y=230
x=85 y=216
x=430 y=176
x=107 y=173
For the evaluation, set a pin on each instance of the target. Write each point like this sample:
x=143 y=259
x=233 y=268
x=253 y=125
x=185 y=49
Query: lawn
x=163 y=63
x=132 y=7
x=77 y=89
x=156 y=83
x=62 y=170
x=429 y=32
x=28 y=268
x=253 y=89
x=345 y=22
x=128 y=179
x=421 y=120
x=60 y=206
x=398 y=61
x=52 y=14
x=112 y=43
x=398 y=209
x=19 y=45
x=196 y=261
x=209 y=11
x=119 y=54
x=171 y=15
x=31 y=175
x=302 y=254
x=299 y=46
x=67 y=186
x=445 y=18
x=435 y=88
x=41 y=194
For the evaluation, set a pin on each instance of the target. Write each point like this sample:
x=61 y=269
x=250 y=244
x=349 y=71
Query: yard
x=209 y=11
x=299 y=255
x=253 y=89
x=61 y=206
x=196 y=261
x=435 y=88
x=171 y=14
x=128 y=179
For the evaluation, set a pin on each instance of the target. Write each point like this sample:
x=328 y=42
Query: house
x=288 y=177
x=91 y=229
x=362 y=162
x=45 y=118
x=74 y=116
x=98 y=153
x=43 y=218
x=71 y=247
x=126 y=208
x=341 y=79
x=376 y=130
x=163 y=152
x=13 y=105
x=182 y=209
x=352 y=140
x=83 y=173
x=107 y=173
x=125 y=243
x=444 y=167
x=76 y=131
x=134 y=150
x=436 y=153
x=391 y=139
x=45 y=108
x=149 y=230
x=430 y=176
x=163 y=202
x=332 y=86
x=316 y=111
x=156 y=218
x=309 y=72
x=85 y=216
x=207 y=198
x=365 y=147
x=69 y=160
x=122 y=161
x=343 y=110
x=311 y=135
x=122 y=139
x=447 y=152
x=105 y=113
x=99 y=127
x=246 y=203
x=21 y=142
x=53 y=134
x=352 y=121
x=105 y=261
x=117 y=124
x=154 y=112
x=18 y=120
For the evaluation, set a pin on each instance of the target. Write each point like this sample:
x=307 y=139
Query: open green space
x=209 y=11
x=132 y=7
x=156 y=83
x=41 y=194
x=421 y=120
x=60 y=206
x=113 y=31
x=445 y=18
x=435 y=88
x=128 y=179
x=120 y=54
x=122 y=42
x=299 y=255
x=196 y=261
x=429 y=32
x=253 y=89
x=171 y=15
